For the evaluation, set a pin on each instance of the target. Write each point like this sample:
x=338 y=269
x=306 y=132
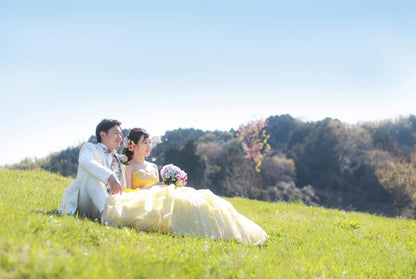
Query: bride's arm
x=156 y=173
x=129 y=172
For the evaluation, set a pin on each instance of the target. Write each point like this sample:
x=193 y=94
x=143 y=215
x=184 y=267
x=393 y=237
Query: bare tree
x=398 y=176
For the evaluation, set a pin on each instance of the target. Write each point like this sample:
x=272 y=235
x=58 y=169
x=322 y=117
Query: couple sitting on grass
x=134 y=196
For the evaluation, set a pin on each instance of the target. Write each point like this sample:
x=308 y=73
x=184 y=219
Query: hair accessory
x=130 y=148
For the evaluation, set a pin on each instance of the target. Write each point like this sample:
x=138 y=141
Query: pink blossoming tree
x=253 y=138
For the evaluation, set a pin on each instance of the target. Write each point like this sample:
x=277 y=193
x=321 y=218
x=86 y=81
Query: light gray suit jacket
x=92 y=169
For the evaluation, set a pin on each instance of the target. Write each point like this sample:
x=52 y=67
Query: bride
x=149 y=205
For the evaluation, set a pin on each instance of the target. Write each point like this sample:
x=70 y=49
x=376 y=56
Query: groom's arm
x=88 y=162
x=115 y=185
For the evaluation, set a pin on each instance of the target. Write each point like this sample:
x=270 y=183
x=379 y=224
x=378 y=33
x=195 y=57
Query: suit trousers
x=91 y=199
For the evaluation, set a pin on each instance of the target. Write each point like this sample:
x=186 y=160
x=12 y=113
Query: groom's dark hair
x=104 y=126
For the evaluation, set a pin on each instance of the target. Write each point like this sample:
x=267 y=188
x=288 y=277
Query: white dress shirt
x=108 y=156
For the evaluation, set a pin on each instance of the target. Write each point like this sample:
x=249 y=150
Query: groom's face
x=112 y=139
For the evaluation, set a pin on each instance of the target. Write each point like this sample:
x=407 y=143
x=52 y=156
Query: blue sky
x=163 y=65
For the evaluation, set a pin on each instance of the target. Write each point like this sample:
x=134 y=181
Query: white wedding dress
x=180 y=211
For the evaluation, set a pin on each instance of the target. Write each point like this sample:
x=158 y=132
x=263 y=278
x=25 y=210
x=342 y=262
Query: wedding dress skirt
x=181 y=211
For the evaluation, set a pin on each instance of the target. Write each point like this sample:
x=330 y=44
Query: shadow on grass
x=55 y=212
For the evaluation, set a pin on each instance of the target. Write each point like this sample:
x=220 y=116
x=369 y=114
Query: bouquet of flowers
x=172 y=174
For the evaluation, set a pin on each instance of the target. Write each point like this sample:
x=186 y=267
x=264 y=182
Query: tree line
x=367 y=167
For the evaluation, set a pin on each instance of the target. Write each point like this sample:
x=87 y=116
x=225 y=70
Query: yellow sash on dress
x=141 y=178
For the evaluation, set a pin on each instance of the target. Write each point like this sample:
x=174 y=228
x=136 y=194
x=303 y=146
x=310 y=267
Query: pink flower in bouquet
x=172 y=174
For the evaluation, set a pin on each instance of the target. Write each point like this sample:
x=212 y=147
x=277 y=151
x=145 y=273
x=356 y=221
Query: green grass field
x=305 y=242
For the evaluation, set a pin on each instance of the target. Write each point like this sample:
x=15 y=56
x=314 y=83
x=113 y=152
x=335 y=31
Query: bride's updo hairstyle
x=135 y=136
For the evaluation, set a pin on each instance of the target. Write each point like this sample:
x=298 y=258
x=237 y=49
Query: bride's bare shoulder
x=130 y=168
x=153 y=165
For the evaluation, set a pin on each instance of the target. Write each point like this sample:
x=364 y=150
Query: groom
x=99 y=172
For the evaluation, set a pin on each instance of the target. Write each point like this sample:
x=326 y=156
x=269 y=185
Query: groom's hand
x=115 y=185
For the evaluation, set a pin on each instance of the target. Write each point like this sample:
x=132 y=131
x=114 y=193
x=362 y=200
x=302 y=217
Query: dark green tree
x=188 y=159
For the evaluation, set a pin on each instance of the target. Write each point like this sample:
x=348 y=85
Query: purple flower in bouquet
x=172 y=174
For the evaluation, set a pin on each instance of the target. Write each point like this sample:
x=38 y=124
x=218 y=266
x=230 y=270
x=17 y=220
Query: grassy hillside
x=305 y=242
